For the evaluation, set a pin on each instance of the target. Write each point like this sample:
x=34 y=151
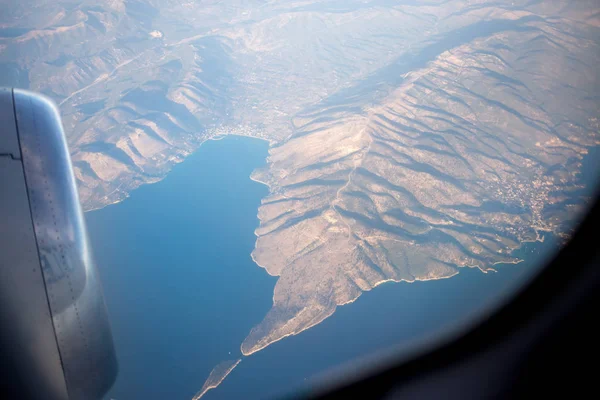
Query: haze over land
x=409 y=139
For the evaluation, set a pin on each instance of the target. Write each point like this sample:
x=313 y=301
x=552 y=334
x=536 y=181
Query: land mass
x=218 y=374
x=407 y=141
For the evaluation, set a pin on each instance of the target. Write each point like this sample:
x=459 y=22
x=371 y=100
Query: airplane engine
x=55 y=336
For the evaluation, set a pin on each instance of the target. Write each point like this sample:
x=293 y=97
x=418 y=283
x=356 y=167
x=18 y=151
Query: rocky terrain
x=456 y=164
x=408 y=139
x=218 y=374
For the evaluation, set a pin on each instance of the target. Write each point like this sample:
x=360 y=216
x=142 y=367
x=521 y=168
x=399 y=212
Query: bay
x=181 y=289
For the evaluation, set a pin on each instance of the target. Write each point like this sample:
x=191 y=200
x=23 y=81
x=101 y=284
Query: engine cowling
x=54 y=328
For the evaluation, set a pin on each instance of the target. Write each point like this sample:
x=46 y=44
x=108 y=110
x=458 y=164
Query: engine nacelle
x=55 y=336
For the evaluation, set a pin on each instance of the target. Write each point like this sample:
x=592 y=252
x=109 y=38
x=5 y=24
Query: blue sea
x=181 y=288
x=183 y=292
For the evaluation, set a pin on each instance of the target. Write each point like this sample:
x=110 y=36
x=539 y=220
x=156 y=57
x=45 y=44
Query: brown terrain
x=407 y=141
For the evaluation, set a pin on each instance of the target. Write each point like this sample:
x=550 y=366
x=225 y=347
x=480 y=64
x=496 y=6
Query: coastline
x=181 y=157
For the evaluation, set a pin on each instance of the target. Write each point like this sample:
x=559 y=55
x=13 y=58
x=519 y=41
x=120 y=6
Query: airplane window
x=276 y=189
